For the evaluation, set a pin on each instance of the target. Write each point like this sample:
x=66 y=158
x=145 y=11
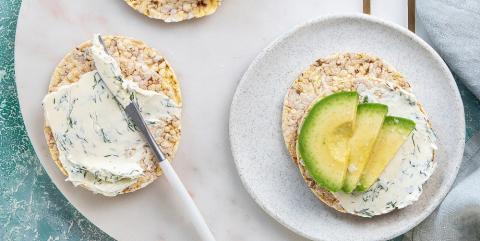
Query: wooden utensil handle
x=411 y=12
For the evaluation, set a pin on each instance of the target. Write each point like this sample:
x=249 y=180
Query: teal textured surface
x=31 y=207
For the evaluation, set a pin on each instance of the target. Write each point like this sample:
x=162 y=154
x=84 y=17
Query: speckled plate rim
x=362 y=17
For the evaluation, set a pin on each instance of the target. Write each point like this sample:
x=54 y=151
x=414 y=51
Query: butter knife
x=111 y=75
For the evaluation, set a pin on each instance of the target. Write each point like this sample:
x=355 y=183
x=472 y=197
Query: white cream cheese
x=99 y=147
x=401 y=182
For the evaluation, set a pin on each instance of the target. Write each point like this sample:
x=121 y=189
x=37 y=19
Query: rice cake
x=341 y=72
x=175 y=10
x=140 y=64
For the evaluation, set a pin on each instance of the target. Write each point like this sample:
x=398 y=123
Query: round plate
x=262 y=160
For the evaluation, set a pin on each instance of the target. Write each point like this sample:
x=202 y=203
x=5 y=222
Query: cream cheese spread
x=99 y=147
x=401 y=182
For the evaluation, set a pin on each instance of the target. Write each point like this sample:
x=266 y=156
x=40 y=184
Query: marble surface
x=32 y=208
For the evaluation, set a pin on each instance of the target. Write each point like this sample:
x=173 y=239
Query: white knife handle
x=195 y=215
x=134 y=113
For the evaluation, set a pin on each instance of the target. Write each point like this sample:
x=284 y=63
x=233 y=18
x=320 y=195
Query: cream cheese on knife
x=99 y=147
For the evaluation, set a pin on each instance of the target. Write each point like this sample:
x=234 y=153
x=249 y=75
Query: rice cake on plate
x=376 y=79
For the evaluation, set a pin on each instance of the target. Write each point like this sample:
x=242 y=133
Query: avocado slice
x=369 y=121
x=394 y=132
x=323 y=138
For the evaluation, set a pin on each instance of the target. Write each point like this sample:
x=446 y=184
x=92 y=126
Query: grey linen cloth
x=454 y=29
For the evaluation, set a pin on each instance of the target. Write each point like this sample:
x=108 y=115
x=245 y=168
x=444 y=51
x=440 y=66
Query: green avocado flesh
x=323 y=141
x=394 y=132
x=368 y=122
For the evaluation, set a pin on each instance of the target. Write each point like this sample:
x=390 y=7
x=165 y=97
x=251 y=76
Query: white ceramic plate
x=258 y=147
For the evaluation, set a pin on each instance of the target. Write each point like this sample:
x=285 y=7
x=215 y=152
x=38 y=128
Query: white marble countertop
x=209 y=56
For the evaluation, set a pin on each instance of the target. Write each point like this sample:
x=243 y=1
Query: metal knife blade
x=111 y=75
